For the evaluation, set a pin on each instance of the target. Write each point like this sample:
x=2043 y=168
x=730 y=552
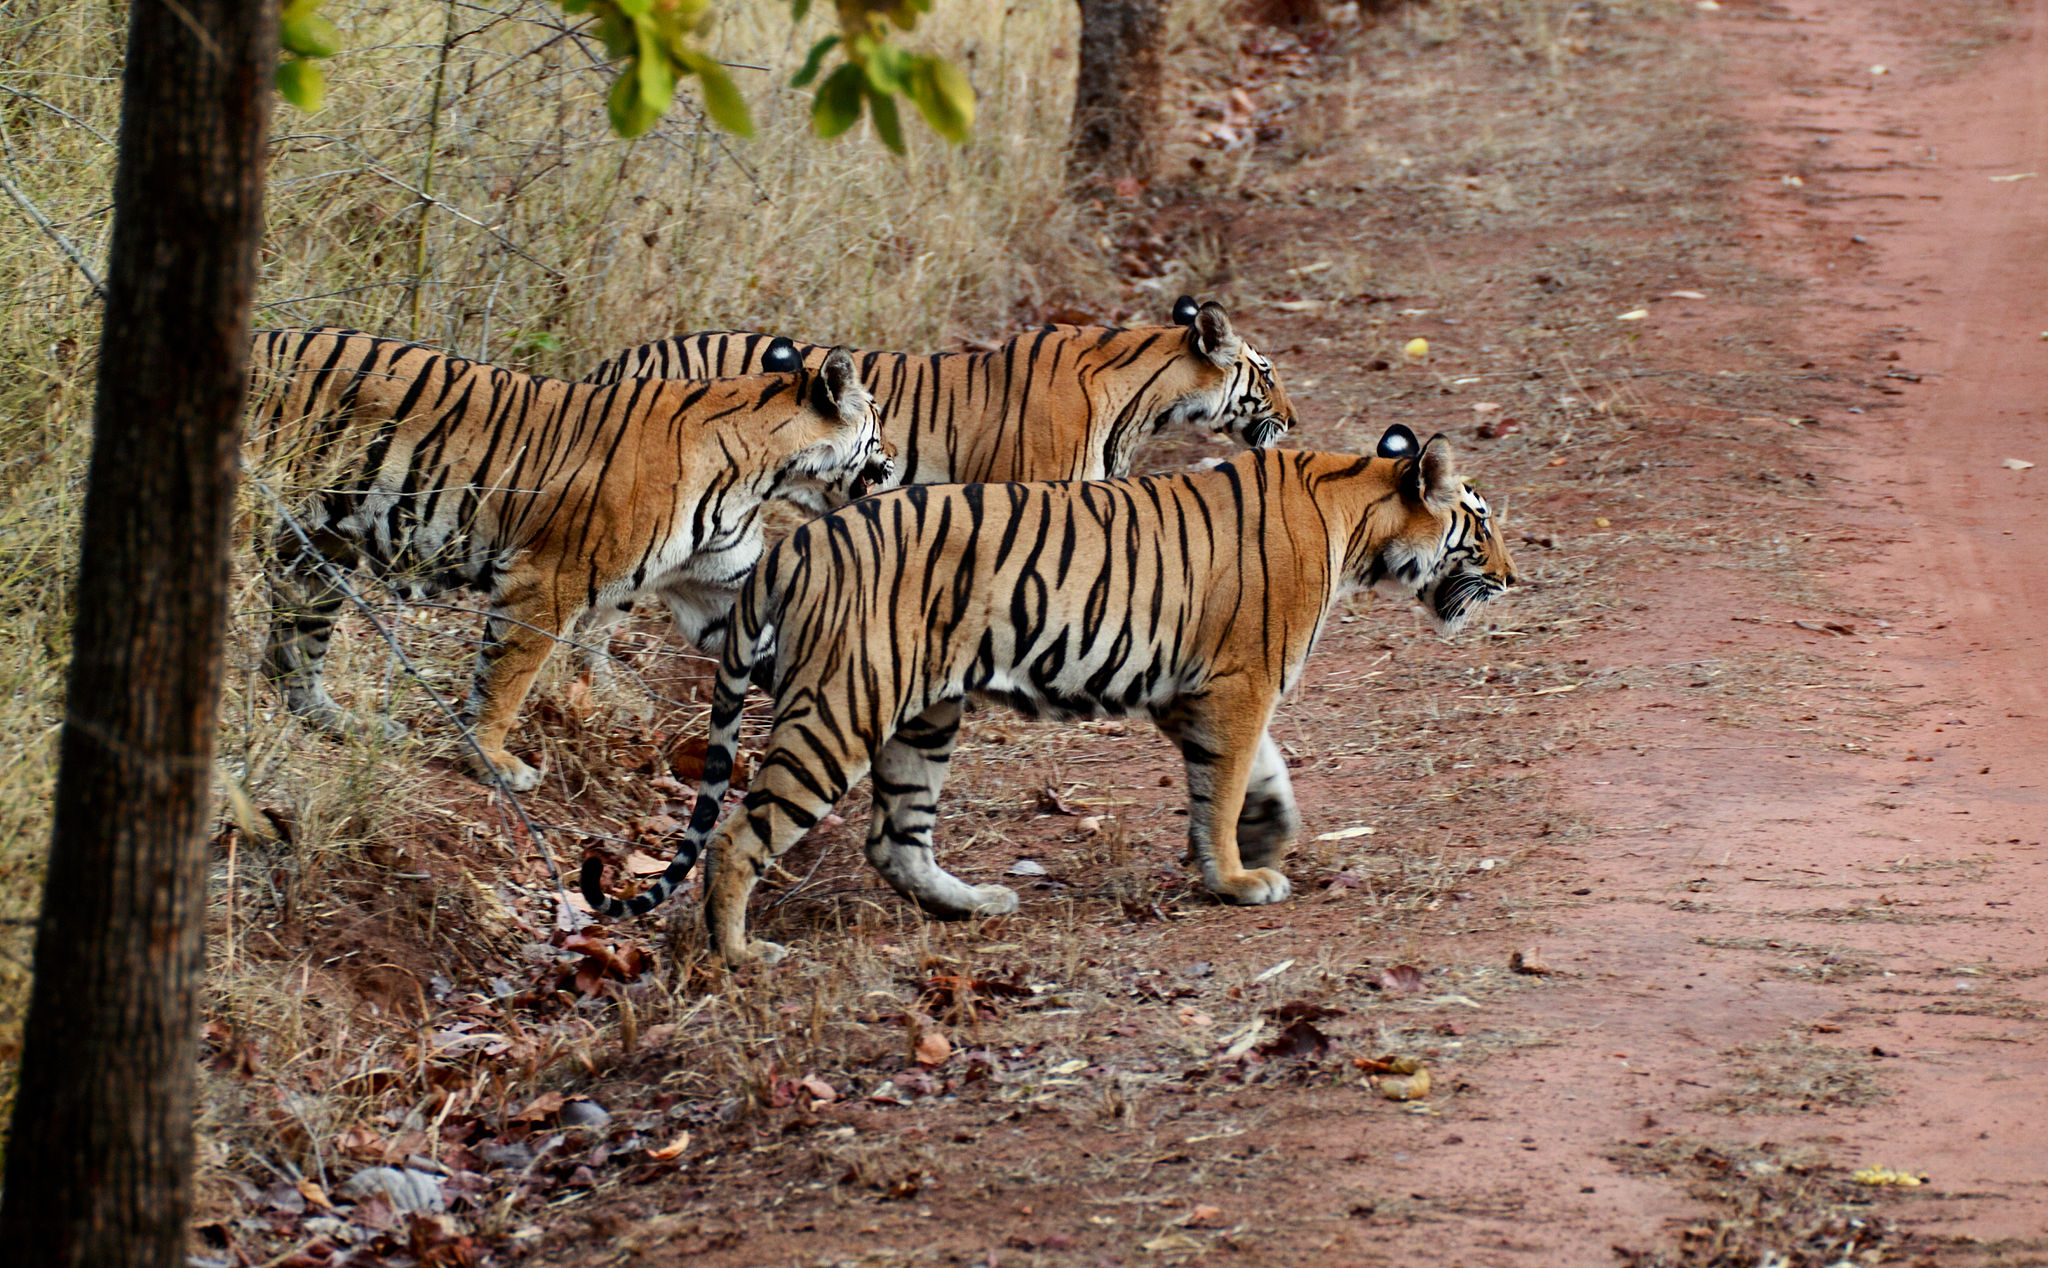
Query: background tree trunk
x=1116 y=97
x=99 y=1165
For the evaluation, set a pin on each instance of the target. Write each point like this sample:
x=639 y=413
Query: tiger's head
x=1234 y=391
x=848 y=458
x=1443 y=545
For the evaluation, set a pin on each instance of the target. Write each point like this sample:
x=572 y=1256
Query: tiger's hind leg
x=1269 y=821
x=909 y=772
x=519 y=633
x=787 y=799
x=1219 y=734
x=306 y=599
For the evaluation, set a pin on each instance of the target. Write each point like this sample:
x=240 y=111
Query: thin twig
x=21 y=200
x=564 y=914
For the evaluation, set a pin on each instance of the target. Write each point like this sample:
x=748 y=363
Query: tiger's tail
x=750 y=634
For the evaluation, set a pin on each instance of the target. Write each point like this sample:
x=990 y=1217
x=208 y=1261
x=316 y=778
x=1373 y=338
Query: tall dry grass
x=461 y=187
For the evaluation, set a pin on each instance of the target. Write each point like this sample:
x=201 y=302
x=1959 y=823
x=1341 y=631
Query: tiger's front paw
x=755 y=951
x=994 y=900
x=517 y=775
x=1253 y=888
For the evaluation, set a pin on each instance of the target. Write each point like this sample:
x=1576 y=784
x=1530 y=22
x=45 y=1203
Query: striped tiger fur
x=1061 y=403
x=1191 y=599
x=552 y=498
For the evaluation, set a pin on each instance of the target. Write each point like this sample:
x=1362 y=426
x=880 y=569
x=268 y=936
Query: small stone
x=584 y=1113
x=406 y=1190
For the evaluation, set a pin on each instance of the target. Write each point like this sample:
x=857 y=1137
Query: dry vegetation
x=389 y=979
x=461 y=187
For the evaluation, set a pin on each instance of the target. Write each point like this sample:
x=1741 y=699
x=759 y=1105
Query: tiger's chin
x=1454 y=599
x=1262 y=433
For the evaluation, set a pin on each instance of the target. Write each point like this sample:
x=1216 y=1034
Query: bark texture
x=99 y=1163
x=1116 y=93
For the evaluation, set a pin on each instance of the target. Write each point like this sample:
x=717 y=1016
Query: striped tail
x=743 y=646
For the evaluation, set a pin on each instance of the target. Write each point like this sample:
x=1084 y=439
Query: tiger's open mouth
x=877 y=472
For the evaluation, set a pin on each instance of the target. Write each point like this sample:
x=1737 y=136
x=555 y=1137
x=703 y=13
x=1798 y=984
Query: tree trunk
x=1116 y=95
x=99 y=1166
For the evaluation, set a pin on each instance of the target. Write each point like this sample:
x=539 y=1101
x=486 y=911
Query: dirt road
x=1766 y=815
x=1848 y=919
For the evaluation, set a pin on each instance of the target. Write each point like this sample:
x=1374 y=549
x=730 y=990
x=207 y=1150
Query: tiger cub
x=1190 y=599
x=551 y=498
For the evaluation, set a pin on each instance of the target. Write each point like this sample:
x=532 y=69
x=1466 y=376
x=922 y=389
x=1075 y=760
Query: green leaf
x=814 y=62
x=722 y=101
x=635 y=8
x=884 y=67
x=883 y=107
x=629 y=111
x=310 y=36
x=302 y=83
x=656 y=73
x=535 y=341
x=298 y=10
x=837 y=104
x=798 y=11
x=617 y=31
x=944 y=97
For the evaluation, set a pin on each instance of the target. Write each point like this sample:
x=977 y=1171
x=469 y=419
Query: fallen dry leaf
x=822 y=1093
x=673 y=1149
x=1299 y=1039
x=1276 y=970
x=933 y=1047
x=541 y=1108
x=1402 y=979
x=1051 y=803
x=1526 y=962
x=1404 y=1087
x=1345 y=834
x=638 y=864
x=2016 y=464
x=1204 y=1214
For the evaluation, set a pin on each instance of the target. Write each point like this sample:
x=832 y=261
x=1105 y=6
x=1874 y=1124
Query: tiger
x=551 y=498
x=1059 y=403
x=1190 y=599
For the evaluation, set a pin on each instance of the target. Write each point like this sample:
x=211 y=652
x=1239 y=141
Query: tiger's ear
x=1213 y=337
x=840 y=388
x=1432 y=479
x=1184 y=310
x=781 y=357
x=1398 y=442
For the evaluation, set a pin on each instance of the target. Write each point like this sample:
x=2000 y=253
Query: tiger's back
x=1059 y=403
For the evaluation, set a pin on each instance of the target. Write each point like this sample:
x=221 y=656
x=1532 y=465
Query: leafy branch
x=660 y=44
